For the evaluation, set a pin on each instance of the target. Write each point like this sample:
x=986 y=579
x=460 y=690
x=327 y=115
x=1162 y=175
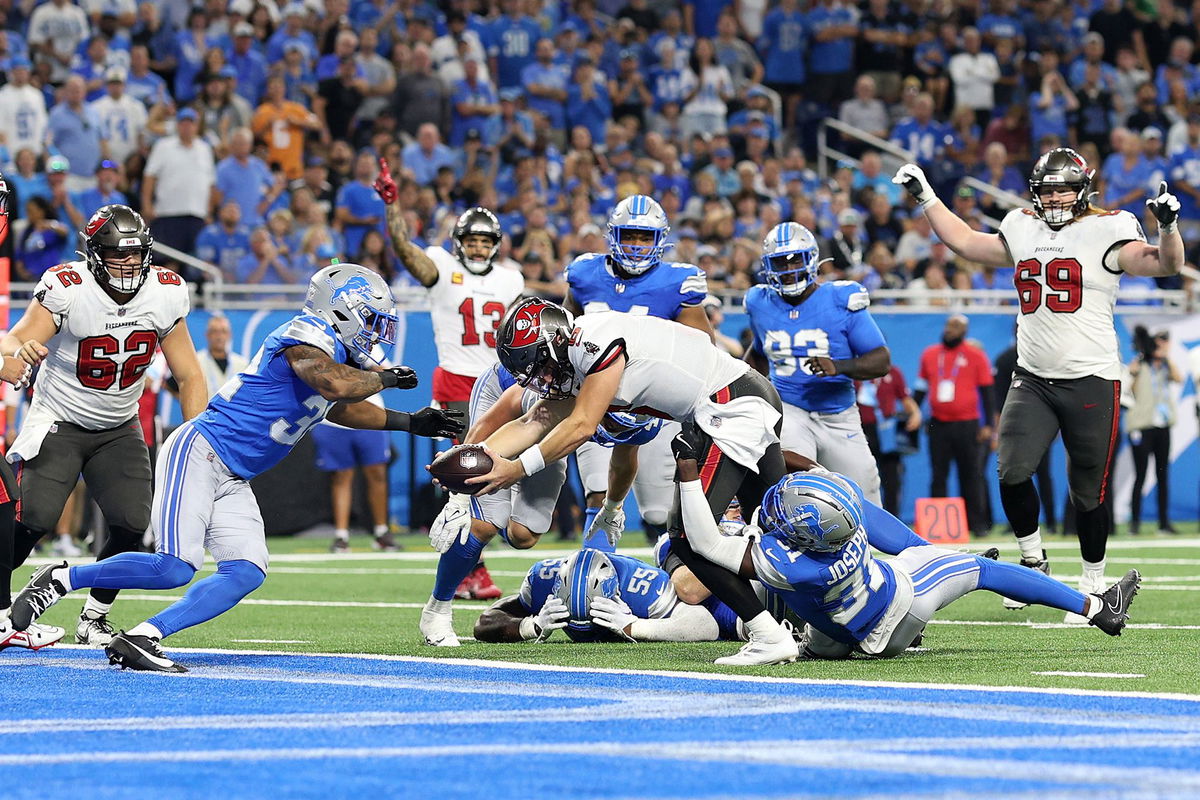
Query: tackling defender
x=317 y=365
x=1069 y=257
x=817 y=339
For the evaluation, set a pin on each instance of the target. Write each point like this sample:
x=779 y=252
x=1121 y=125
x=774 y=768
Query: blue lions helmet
x=357 y=303
x=586 y=575
x=637 y=213
x=621 y=427
x=811 y=511
x=790 y=258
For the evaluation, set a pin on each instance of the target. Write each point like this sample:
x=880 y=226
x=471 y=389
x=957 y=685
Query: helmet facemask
x=1058 y=214
x=636 y=258
x=476 y=266
x=551 y=374
x=114 y=267
x=377 y=328
x=790 y=273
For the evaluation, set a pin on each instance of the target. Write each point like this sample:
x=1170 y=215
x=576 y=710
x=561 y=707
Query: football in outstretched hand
x=453 y=467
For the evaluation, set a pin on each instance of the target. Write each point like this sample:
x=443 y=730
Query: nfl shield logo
x=468 y=460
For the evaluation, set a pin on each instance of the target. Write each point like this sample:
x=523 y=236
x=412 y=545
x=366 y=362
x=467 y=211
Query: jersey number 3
x=1063 y=292
x=97 y=369
x=491 y=308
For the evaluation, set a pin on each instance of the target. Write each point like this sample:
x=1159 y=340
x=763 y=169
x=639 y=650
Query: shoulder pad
x=856 y=295
x=312 y=330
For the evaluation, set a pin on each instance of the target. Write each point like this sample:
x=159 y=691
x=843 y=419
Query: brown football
x=453 y=467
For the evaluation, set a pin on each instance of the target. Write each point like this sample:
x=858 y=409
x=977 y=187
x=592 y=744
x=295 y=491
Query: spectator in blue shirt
x=344 y=47
x=1093 y=53
x=264 y=264
x=1184 y=172
x=292 y=31
x=588 y=103
x=1126 y=174
x=40 y=245
x=249 y=64
x=143 y=84
x=833 y=30
x=545 y=84
x=104 y=193
x=91 y=66
x=245 y=179
x=921 y=134
x=1001 y=22
x=75 y=131
x=26 y=181
x=996 y=171
x=510 y=42
x=358 y=207
x=1049 y=107
x=700 y=16
x=225 y=242
x=671 y=33
x=190 y=47
x=426 y=156
x=666 y=80
x=782 y=45
x=473 y=102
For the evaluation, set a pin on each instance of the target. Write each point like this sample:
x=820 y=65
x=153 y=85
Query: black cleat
x=39 y=594
x=1114 y=612
x=141 y=653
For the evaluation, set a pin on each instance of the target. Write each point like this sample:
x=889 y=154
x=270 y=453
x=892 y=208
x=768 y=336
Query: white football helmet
x=637 y=213
x=357 y=303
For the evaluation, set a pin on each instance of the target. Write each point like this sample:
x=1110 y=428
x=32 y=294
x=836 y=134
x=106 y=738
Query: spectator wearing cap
x=512 y=130
x=91 y=65
x=1126 y=174
x=190 y=46
x=709 y=88
x=23 y=117
x=345 y=45
x=291 y=31
x=219 y=107
x=451 y=50
x=245 y=179
x=178 y=184
x=1152 y=150
x=588 y=102
x=56 y=29
x=282 y=124
x=1050 y=105
x=59 y=197
x=845 y=246
x=249 y=64
x=142 y=83
x=105 y=192
x=736 y=55
x=75 y=131
x=965 y=204
x=545 y=85
x=1093 y=54
x=421 y=96
x=723 y=172
x=631 y=96
x=864 y=111
x=1148 y=113
x=566 y=41
x=783 y=46
x=510 y=43
x=974 y=73
x=316 y=181
x=225 y=242
x=122 y=118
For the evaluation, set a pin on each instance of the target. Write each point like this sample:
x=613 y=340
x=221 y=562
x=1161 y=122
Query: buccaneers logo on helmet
x=527 y=324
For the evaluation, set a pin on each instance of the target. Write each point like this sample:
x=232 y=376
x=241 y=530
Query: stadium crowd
x=248 y=131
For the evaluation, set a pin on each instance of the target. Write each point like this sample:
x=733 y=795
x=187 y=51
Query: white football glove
x=611 y=518
x=552 y=617
x=614 y=615
x=913 y=179
x=453 y=523
x=1165 y=208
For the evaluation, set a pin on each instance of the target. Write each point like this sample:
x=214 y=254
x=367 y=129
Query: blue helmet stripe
x=583 y=565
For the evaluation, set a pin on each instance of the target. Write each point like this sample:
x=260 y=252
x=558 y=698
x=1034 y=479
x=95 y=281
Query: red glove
x=385 y=185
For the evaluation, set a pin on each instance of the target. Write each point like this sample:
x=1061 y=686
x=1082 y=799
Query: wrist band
x=389 y=379
x=397 y=420
x=532 y=460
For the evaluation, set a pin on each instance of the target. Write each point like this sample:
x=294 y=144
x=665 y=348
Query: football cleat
x=93 y=630
x=66 y=548
x=1114 y=612
x=478 y=585
x=139 y=653
x=339 y=545
x=386 y=543
x=39 y=594
x=991 y=554
x=1088 y=586
x=1042 y=564
x=757 y=652
x=35 y=637
x=438 y=628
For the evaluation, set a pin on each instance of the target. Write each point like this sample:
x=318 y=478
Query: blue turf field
x=281 y=726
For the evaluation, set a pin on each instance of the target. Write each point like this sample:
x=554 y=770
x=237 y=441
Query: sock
x=96 y=608
x=380 y=530
x=342 y=533
x=120 y=540
x=764 y=627
x=130 y=571
x=66 y=538
x=63 y=576
x=597 y=539
x=1031 y=545
x=1028 y=586
x=454 y=565
x=145 y=629
x=1022 y=506
x=438 y=606
x=1093 y=528
x=1093 y=572
x=7 y=534
x=210 y=597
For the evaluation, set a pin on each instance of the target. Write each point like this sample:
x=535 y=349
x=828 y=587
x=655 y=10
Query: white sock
x=1095 y=603
x=380 y=530
x=438 y=606
x=1094 y=572
x=65 y=538
x=342 y=533
x=97 y=608
x=1031 y=545
x=765 y=627
x=145 y=629
x=63 y=576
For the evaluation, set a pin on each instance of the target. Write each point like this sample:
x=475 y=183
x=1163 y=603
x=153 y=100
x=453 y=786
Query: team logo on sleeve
x=527 y=325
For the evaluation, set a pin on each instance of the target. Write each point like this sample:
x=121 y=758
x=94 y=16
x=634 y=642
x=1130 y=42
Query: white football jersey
x=93 y=375
x=669 y=368
x=466 y=310
x=1067 y=291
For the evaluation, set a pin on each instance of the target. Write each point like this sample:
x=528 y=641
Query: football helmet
x=790 y=258
x=586 y=575
x=622 y=427
x=532 y=345
x=637 y=213
x=477 y=220
x=357 y=303
x=113 y=232
x=1061 y=168
x=811 y=511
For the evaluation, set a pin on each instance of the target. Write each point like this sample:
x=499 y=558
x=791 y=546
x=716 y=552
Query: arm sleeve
x=988 y=395
x=886 y=533
x=702 y=532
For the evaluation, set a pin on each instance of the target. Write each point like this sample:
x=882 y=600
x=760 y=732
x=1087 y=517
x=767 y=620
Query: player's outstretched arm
x=505 y=410
x=180 y=354
x=336 y=381
x=986 y=248
x=426 y=422
x=1139 y=258
x=412 y=257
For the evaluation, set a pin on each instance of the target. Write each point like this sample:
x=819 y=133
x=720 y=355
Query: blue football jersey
x=539 y=583
x=646 y=589
x=832 y=322
x=662 y=291
x=256 y=418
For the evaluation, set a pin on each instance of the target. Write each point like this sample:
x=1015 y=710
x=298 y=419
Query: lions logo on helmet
x=638 y=213
x=357 y=303
x=585 y=575
x=811 y=511
x=790 y=258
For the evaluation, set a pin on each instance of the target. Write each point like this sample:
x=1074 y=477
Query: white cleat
x=35 y=637
x=438 y=628
x=1095 y=587
x=757 y=652
x=94 y=630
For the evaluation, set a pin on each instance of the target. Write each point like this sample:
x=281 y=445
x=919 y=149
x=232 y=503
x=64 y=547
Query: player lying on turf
x=317 y=365
x=814 y=551
x=521 y=514
x=596 y=596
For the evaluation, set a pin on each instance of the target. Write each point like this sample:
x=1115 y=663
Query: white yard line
x=1027 y=623
x=253 y=601
x=1091 y=674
